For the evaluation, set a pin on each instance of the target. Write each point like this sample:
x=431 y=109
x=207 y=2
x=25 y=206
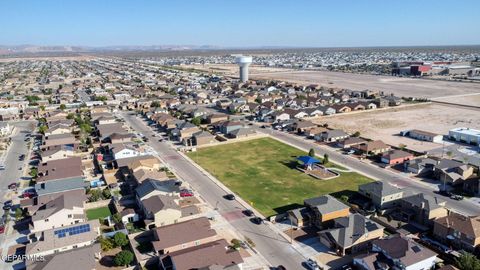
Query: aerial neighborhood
x=156 y=163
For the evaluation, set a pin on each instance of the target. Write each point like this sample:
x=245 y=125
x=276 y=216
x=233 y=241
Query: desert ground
x=406 y=87
x=386 y=125
x=232 y=70
x=471 y=100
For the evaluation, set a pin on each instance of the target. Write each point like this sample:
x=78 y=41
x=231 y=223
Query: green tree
x=42 y=129
x=402 y=146
x=120 y=239
x=468 y=261
x=196 y=121
x=311 y=152
x=105 y=243
x=356 y=134
x=325 y=159
x=117 y=218
x=63 y=107
x=106 y=193
x=155 y=104
x=18 y=213
x=123 y=258
x=33 y=172
x=236 y=244
x=95 y=195
x=344 y=198
x=70 y=116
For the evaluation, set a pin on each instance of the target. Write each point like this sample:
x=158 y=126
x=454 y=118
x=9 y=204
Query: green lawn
x=96 y=213
x=263 y=173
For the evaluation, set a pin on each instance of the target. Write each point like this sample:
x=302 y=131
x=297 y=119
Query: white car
x=312 y=265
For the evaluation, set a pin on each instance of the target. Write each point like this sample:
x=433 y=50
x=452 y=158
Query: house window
x=69 y=216
x=197 y=243
x=46 y=220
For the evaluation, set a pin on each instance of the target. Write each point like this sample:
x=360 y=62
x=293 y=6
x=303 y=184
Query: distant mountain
x=33 y=49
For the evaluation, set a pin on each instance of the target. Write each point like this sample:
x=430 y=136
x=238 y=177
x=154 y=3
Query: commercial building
x=465 y=135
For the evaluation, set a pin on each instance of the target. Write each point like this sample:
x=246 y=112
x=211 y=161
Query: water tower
x=243 y=62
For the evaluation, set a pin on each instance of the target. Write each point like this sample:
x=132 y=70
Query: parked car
x=311 y=264
x=28 y=194
x=186 y=193
x=7 y=205
x=456 y=197
x=281 y=267
x=2 y=229
x=13 y=186
x=229 y=197
x=350 y=152
x=248 y=212
x=256 y=220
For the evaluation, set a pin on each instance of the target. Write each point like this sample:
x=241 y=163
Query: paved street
x=272 y=246
x=465 y=207
x=12 y=174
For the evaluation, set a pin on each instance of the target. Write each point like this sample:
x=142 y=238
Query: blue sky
x=243 y=23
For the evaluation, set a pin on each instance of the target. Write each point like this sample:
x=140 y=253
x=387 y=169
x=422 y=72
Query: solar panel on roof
x=72 y=230
x=416 y=249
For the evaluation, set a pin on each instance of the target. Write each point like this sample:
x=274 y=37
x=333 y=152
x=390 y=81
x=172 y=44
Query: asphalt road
x=465 y=207
x=12 y=173
x=272 y=246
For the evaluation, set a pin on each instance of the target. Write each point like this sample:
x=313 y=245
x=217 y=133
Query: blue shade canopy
x=308 y=160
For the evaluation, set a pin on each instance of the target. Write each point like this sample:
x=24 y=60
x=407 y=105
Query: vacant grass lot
x=263 y=173
x=96 y=213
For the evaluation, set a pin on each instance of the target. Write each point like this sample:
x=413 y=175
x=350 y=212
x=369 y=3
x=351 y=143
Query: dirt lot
x=232 y=70
x=472 y=100
x=407 y=87
x=386 y=124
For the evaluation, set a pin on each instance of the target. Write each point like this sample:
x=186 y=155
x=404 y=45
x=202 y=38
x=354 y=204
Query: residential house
x=324 y=209
x=216 y=118
x=422 y=208
x=152 y=187
x=79 y=258
x=65 y=141
x=182 y=235
x=397 y=252
x=382 y=195
x=61 y=211
x=213 y=255
x=202 y=138
x=371 y=148
x=228 y=126
x=393 y=157
x=56 y=153
x=420 y=165
x=351 y=234
x=160 y=210
x=452 y=172
x=459 y=231
x=331 y=135
x=52 y=241
x=122 y=150
x=60 y=169
x=350 y=142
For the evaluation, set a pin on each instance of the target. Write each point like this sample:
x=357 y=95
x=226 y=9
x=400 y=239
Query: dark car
x=281 y=267
x=229 y=197
x=444 y=193
x=7 y=205
x=256 y=220
x=12 y=186
x=248 y=212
